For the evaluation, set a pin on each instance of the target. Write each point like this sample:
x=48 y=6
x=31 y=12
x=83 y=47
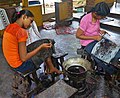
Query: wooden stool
x=22 y=83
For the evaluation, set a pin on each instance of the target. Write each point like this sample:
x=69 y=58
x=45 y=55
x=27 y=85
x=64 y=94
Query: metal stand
x=58 y=60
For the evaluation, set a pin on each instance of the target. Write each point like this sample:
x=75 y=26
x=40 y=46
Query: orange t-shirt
x=12 y=36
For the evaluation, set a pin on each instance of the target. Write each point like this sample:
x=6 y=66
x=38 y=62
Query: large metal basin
x=77 y=61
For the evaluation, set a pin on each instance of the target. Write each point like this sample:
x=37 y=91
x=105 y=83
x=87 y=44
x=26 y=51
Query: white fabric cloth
x=33 y=34
x=105 y=50
x=4 y=21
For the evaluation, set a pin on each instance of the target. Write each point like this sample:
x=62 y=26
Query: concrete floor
x=67 y=42
x=5 y=77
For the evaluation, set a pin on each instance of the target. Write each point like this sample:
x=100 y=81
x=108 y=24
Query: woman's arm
x=23 y=50
x=80 y=35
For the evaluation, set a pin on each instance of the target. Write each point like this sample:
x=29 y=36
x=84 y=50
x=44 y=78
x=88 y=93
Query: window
x=48 y=6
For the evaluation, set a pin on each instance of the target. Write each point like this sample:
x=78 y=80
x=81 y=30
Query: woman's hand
x=46 y=45
x=97 y=37
x=102 y=32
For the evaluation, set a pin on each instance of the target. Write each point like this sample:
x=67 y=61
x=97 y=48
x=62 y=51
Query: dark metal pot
x=76 y=73
x=76 y=70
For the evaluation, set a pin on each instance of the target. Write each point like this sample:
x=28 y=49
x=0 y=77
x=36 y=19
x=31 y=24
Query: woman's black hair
x=17 y=15
x=101 y=9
